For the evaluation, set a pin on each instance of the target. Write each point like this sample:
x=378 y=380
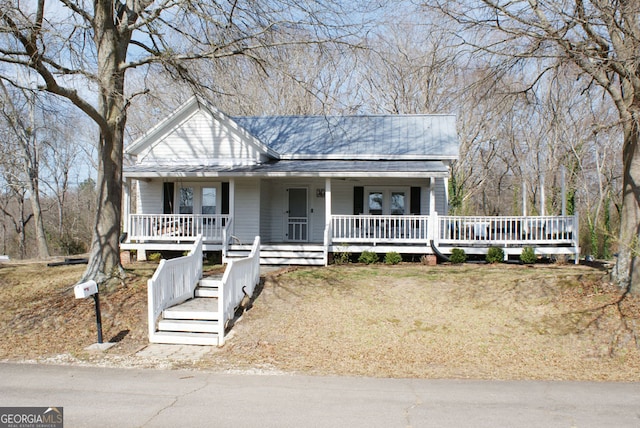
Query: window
x=186 y=200
x=209 y=200
x=397 y=203
x=376 y=201
x=387 y=201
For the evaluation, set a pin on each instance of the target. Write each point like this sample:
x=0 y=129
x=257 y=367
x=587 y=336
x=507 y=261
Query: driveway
x=101 y=397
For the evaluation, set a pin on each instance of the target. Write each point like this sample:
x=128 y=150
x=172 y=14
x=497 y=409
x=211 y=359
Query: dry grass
x=468 y=321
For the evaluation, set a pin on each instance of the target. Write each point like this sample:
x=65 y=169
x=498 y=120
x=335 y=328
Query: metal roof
x=300 y=168
x=372 y=136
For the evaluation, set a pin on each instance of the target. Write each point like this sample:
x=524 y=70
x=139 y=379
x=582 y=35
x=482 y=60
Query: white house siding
x=247 y=209
x=199 y=138
x=441 y=196
x=270 y=219
x=317 y=201
x=149 y=200
x=342 y=196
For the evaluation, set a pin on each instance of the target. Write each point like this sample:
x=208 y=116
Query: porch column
x=327 y=211
x=232 y=203
x=432 y=195
x=126 y=204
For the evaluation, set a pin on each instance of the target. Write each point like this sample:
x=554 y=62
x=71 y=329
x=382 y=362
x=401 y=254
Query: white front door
x=297 y=226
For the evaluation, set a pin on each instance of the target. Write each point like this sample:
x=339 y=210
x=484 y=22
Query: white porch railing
x=172 y=227
x=241 y=276
x=379 y=228
x=173 y=282
x=454 y=230
x=546 y=230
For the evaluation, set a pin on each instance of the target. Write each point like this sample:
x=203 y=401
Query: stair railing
x=240 y=278
x=173 y=282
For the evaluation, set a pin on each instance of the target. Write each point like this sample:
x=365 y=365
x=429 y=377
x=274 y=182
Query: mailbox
x=85 y=289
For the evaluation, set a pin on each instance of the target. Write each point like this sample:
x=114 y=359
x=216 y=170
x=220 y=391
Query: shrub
x=154 y=257
x=342 y=257
x=392 y=258
x=495 y=255
x=368 y=257
x=458 y=256
x=528 y=256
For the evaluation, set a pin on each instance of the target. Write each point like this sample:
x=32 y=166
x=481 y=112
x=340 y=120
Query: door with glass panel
x=297 y=215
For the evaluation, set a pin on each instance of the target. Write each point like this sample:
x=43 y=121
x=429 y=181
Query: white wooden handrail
x=240 y=276
x=173 y=282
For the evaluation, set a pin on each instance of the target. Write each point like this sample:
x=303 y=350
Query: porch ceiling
x=298 y=168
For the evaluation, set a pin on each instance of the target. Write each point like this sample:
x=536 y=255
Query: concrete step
x=194 y=309
x=181 y=338
x=206 y=292
x=208 y=287
x=191 y=326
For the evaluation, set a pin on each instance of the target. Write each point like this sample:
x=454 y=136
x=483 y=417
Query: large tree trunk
x=627 y=272
x=104 y=261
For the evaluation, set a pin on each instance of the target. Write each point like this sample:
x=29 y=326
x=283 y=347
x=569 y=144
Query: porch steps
x=194 y=322
x=283 y=254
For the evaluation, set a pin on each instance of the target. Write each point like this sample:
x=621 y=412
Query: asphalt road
x=99 y=397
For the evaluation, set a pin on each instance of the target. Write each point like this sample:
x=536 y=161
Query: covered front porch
x=405 y=234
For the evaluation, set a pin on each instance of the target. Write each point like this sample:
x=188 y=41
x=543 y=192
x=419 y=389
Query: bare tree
x=70 y=45
x=602 y=39
x=21 y=123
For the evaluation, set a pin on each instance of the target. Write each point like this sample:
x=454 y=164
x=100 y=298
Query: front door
x=297 y=217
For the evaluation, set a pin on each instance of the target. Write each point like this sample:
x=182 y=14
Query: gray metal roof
x=383 y=136
x=300 y=168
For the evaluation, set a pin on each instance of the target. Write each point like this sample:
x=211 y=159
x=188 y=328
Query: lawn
x=407 y=320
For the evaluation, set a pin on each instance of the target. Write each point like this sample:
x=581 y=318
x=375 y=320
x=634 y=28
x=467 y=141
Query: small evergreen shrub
x=392 y=258
x=495 y=255
x=342 y=257
x=528 y=256
x=368 y=257
x=154 y=257
x=458 y=256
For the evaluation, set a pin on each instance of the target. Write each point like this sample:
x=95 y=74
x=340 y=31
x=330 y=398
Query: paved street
x=100 y=397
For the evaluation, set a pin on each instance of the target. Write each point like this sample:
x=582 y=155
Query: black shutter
x=225 y=198
x=167 y=198
x=358 y=200
x=415 y=200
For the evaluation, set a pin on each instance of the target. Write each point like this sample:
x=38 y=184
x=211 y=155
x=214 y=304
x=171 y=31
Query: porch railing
x=173 y=282
x=558 y=230
x=172 y=227
x=454 y=230
x=379 y=228
x=240 y=276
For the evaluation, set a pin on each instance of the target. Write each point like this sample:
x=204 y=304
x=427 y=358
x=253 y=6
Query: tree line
x=543 y=96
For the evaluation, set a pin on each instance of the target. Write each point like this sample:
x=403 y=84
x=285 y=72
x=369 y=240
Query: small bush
x=342 y=257
x=392 y=258
x=368 y=257
x=154 y=257
x=495 y=255
x=528 y=256
x=458 y=256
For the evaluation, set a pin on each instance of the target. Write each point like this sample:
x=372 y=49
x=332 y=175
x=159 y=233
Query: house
x=295 y=190
x=310 y=186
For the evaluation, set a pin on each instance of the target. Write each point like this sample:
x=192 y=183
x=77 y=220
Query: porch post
x=446 y=196
x=126 y=202
x=327 y=210
x=232 y=203
x=432 y=196
x=524 y=199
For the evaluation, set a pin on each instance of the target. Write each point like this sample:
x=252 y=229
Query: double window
x=387 y=201
x=201 y=199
